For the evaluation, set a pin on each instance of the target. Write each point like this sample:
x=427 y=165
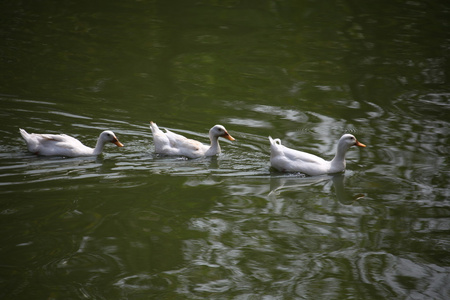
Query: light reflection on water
x=132 y=223
x=297 y=237
x=251 y=231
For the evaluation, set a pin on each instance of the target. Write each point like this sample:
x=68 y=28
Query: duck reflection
x=213 y=162
x=294 y=182
x=344 y=196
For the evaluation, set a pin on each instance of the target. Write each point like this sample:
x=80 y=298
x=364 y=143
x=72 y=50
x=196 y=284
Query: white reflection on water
x=248 y=122
x=288 y=114
x=257 y=233
x=288 y=237
x=251 y=246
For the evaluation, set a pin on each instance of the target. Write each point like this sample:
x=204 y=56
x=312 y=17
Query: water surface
x=132 y=225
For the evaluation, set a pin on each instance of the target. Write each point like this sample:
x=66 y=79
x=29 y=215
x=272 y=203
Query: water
x=131 y=225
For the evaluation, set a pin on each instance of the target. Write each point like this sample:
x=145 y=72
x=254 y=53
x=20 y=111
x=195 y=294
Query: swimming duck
x=289 y=160
x=169 y=143
x=64 y=145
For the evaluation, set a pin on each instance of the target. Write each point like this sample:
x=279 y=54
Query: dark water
x=131 y=225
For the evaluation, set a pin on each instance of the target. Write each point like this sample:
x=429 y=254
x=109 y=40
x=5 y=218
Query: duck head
x=220 y=131
x=109 y=136
x=349 y=140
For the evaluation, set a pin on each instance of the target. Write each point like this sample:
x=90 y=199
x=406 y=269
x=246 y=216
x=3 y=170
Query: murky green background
x=130 y=225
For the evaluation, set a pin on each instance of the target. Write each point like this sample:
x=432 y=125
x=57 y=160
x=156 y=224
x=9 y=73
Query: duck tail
x=275 y=147
x=23 y=133
x=274 y=142
x=154 y=127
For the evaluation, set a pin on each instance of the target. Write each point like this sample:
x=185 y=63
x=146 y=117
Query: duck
x=65 y=145
x=285 y=159
x=171 y=144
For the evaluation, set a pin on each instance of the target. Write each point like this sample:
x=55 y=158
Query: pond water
x=132 y=225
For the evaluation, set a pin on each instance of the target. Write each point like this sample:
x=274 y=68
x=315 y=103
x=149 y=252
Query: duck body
x=285 y=159
x=172 y=144
x=65 y=145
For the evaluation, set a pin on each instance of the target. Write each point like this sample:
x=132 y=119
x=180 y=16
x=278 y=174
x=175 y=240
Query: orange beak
x=228 y=136
x=116 y=141
x=359 y=144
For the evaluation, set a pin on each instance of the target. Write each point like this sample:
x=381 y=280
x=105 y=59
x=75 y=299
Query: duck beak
x=228 y=136
x=359 y=144
x=116 y=141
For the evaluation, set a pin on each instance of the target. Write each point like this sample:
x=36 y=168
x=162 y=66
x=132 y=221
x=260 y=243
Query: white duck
x=64 y=145
x=289 y=160
x=169 y=143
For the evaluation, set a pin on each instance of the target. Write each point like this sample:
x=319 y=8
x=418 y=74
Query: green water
x=131 y=225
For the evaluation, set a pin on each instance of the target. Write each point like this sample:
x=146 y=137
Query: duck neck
x=215 y=147
x=338 y=162
x=99 y=147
